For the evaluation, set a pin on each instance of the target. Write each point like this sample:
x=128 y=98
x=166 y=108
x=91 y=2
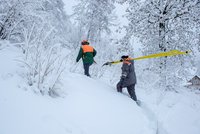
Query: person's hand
x=119 y=87
x=122 y=78
x=121 y=82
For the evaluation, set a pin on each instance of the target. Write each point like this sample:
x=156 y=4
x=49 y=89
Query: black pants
x=131 y=90
x=86 y=68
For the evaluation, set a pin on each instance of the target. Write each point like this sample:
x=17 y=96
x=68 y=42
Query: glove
x=119 y=87
x=121 y=81
x=122 y=78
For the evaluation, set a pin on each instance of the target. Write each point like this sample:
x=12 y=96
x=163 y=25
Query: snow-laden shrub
x=43 y=68
x=39 y=28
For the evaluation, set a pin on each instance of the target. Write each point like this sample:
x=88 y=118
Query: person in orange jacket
x=87 y=53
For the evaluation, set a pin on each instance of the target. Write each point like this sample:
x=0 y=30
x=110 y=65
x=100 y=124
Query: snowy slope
x=89 y=106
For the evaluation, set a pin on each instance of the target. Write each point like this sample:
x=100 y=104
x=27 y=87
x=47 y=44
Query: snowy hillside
x=90 y=106
x=42 y=86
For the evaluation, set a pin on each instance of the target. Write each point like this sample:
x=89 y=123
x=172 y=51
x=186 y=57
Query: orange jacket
x=87 y=54
x=87 y=48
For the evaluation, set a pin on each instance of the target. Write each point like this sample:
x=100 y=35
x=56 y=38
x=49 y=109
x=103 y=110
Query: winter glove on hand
x=122 y=82
x=122 y=78
x=119 y=87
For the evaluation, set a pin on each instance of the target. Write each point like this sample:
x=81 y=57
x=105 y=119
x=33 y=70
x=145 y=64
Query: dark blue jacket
x=128 y=76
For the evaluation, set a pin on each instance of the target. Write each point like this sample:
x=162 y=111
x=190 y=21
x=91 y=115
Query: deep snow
x=90 y=106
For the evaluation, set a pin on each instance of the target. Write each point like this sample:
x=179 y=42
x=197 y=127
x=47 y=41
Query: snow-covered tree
x=164 y=25
x=9 y=17
x=94 y=18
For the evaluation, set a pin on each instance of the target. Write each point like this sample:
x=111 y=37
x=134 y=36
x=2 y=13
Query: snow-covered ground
x=90 y=106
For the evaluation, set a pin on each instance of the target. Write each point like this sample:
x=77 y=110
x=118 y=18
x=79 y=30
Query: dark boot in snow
x=138 y=102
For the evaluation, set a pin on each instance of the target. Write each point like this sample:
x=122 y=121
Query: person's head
x=124 y=57
x=85 y=42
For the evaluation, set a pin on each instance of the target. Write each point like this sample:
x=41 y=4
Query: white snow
x=90 y=106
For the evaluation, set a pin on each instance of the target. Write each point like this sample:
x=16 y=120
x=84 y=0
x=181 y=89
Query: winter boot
x=138 y=102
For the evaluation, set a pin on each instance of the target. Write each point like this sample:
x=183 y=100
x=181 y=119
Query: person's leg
x=86 y=68
x=89 y=64
x=131 y=91
x=119 y=87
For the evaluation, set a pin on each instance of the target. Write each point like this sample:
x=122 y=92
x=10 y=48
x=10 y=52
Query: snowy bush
x=39 y=28
x=43 y=68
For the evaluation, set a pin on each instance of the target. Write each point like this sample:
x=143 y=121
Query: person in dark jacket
x=87 y=54
x=128 y=77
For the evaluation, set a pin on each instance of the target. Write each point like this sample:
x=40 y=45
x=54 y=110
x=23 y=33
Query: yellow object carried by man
x=157 y=55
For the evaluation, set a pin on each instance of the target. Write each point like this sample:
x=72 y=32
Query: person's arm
x=80 y=54
x=94 y=53
x=125 y=71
